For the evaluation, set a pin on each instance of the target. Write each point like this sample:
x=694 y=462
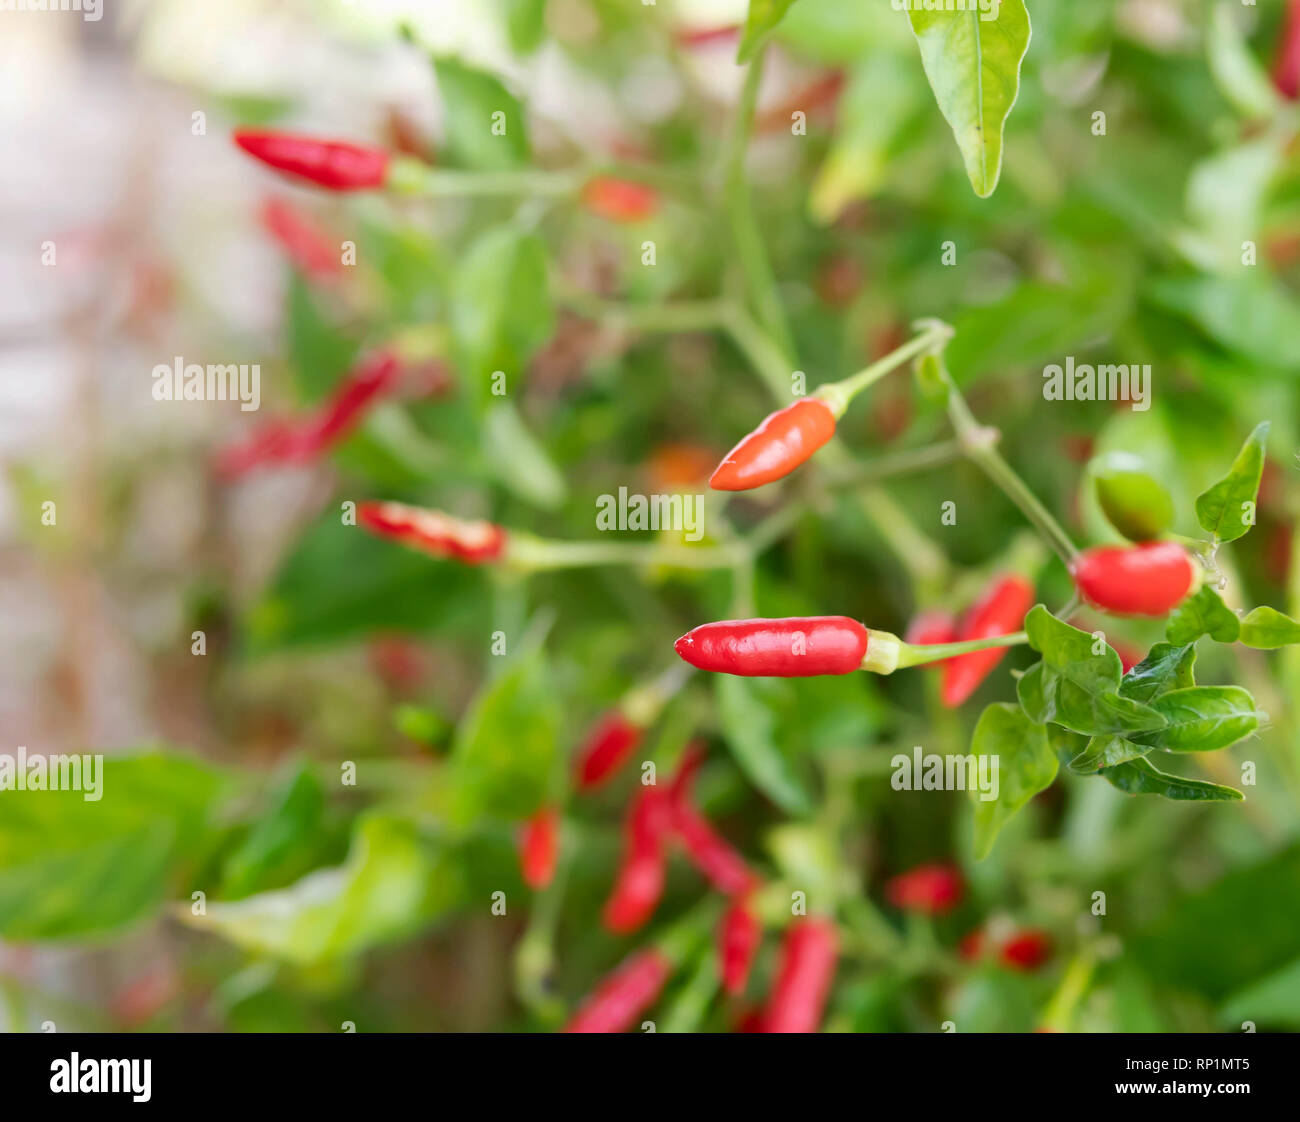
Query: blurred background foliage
x=371 y=902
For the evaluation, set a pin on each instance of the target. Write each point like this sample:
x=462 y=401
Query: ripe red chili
x=739 y=935
x=539 y=847
x=798 y=647
x=622 y=996
x=605 y=749
x=296 y=441
x=619 y=200
x=708 y=850
x=639 y=882
x=780 y=444
x=1026 y=950
x=928 y=889
x=434 y=532
x=1001 y=611
x=1149 y=579
x=308 y=248
x=931 y=628
x=804 y=974
x=332 y=164
x=1286 y=71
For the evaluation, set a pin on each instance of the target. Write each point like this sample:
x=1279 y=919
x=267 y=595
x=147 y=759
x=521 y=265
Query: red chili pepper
x=780 y=444
x=332 y=164
x=1286 y=71
x=739 y=935
x=308 y=248
x=605 y=749
x=622 y=996
x=1000 y=612
x=434 y=532
x=300 y=441
x=929 y=889
x=539 y=846
x=620 y=200
x=706 y=36
x=639 y=882
x=1149 y=579
x=799 y=647
x=972 y=946
x=708 y=850
x=1026 y=950
x=931 y=628
x=804 y=975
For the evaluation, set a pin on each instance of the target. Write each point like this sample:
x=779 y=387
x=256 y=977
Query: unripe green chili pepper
x=780 y=444
x=1150 y=579
x=1133 y=500
x=332 y=164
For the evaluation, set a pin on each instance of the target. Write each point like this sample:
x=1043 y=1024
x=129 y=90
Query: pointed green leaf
x=1204 y=613
x=1025 y=763
x=972 y=60
x=1165 y=667
x=1227 y=510
x=1267 y=629
x=749 y=729
x=1203 y=719
x=1107 y=751
x=763 y=16
x=1141 y=777
x=484 y=121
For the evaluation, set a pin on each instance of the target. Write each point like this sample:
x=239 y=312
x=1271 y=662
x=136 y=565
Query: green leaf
x=391 y=884
x=1252 y=315
x=1107 y=751
x=1272 y=1002
x=319 y=352
x=1077 y=687
x=1134 y=502
x=484 y=121
x=1141 y=777
x=525 y=24
x=1235 y=69
x=1203 y=718
x=1026 y=765
x=1227 y=510
x=76 y=868
x=763 y=16
x=1204 y=613
x=1165 y=667
x=973 y=64
x=749 y=729
x=1267 y=629
x=520 y=462
x=501 y=309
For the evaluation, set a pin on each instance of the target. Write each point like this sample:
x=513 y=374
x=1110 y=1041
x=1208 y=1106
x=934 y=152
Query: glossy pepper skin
x=1150 y=579
x=434 y=532
x=780 y=444
x=797 y=647
x=624 y=995
x=604 y=751
x=332 y=164
x=1286 y=70
x=739 y=935
x=539 y=847
x=619 y=200
x=1001 y=611
x=639 y=882
x=928 y=889
x=804 y=975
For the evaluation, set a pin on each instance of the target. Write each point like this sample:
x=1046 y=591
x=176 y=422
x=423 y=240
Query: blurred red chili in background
x=306 y=245
x=539 y=847
x=780 y=444
x=1026 y=950
x=332 y=164
x=1001 y=612
x=1286 y=70
x=803 y=979
x=739 y=935
x=606 y=748
x=639 y=881
x=1149 y=579
x=931 y=889
x=929 y=628
x=434 y=532
x=620 y=200
x=622 y=996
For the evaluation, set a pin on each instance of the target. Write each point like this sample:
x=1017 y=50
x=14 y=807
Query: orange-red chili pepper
x=620 y=200
x=434 y=532
x=1001 y=612
x=539 y=847
x=931 y=889
x=333 y=164
x=624 y=995
x=1149 y=579
x=804 y=975
x=780 y=444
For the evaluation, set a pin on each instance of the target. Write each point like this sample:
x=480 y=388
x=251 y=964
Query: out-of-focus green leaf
x=1227 y=510
x=520 y=462
x=1165 y=667
x=806 y=856
x=484 y=121
x=1203 y=613
x=1225 y=194
x=1267 y=629
x=748 y=726
x=1203 y=719
x=392 y=884
x=1236 y=71
x=1273 y=1002
x=1134 y=502
x=972 y=60
x=76 y=868
x=501 y=309
x=1142 y=777
x=1253 y=316
x=1026 y=765
x=525 y=23
x=763 y=16
x=319 y=352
